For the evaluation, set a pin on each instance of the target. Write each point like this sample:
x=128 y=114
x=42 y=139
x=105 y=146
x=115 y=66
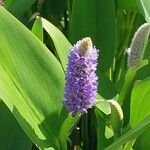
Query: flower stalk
x=135 y=56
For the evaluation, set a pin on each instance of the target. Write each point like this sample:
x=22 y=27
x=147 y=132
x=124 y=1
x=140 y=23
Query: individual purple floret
x=81 y=80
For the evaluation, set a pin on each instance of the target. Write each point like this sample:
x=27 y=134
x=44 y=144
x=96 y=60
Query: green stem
x=92 y=129
x=126 y=87
x=65 y=129
x=129 y=79
x=85 y=131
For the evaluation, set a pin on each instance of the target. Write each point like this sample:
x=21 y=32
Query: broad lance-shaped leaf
x=131 y=134
x=37 y=28
x=140 y=103
x=31 y=82
x=145 y=9
x=60 y=41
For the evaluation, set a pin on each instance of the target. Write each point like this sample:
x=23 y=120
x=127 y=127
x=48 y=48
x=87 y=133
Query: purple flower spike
x=81 y=80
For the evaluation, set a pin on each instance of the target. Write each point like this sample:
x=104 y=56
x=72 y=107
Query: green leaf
x=145 y=7
x=106 y=87
x=132 y=5
x=7 y=3
x=55 y=7
x=31 y=83
x=129 y=80
x=60 y=41
x=140 y=102
x=143 y=72
x=88 y=19
x=127 y=86
x=131 y=134
x=37 y=28
x=103 y=106
x=18 y=7
x=142 y=142
x=100 y=130
x=66 y=128
x=11 y=134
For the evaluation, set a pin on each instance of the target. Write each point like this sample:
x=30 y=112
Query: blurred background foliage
x=111 y=25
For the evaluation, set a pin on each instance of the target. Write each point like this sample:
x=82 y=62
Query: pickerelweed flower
x=138 y=44
x=81 y=80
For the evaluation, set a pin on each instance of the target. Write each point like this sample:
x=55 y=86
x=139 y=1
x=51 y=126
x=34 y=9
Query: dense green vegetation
x=35 y=41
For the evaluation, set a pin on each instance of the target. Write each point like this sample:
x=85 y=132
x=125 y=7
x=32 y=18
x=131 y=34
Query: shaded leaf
x=88 y=19
x=18 y=7
x=11 y=134
x=142 y=142
x=132 y=5
x=106 y=87
x=100 y=130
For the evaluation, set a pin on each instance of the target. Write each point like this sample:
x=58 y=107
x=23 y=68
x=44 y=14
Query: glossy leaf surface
x=29 y=84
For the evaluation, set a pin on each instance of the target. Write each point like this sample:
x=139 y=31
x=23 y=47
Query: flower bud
x=138 y=44
x=116 y=116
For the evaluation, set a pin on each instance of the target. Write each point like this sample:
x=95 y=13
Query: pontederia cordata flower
x=81 y=79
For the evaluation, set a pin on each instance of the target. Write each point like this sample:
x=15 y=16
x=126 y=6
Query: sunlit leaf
x=37 y=28
x=140 y=102
x=31 y=83
x=60 y=41
x=146 y=9
x=130 y=135
x=103 y=106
